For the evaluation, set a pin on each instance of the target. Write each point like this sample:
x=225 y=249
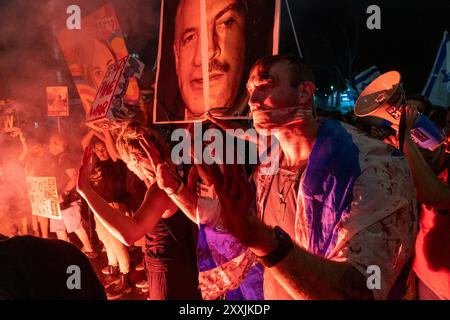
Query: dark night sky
x=330 y=32
x=408 y=40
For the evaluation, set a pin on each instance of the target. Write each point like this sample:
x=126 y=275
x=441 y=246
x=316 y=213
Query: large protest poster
x=57 y=102
x=213 y=40
x=91 y=50
x=44 y=197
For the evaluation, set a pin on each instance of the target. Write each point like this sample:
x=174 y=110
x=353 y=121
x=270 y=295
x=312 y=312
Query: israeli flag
x=363 y=79
x=437 y=89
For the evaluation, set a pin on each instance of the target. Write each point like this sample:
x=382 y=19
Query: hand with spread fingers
x=192 y=179
x=202 y=173
x=164 y=170
x=235 y=197
x=196 y=173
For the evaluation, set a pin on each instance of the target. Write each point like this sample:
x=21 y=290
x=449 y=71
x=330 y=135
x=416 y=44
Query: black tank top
x=171 y=240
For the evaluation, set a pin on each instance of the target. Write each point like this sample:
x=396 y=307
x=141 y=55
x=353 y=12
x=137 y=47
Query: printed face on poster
x=57 y=102
x=90 y=51
x=44 y=197
x=206 y=50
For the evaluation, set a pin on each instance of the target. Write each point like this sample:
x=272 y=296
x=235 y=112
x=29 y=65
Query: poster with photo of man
x=91 y=50
x=206 y=50
x=57 y=102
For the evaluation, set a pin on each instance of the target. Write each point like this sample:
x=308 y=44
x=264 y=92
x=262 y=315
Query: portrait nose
x=214 y=49
x=213 y=44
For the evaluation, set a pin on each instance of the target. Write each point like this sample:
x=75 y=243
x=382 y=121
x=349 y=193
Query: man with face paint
x=337 y=204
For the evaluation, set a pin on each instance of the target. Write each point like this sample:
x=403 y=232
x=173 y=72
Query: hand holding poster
x=206 y=50
x=44 y=197
x=109 y=99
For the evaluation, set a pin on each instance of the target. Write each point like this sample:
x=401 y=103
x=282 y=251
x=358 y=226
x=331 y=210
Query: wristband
x=283 y=248
x=179 y=189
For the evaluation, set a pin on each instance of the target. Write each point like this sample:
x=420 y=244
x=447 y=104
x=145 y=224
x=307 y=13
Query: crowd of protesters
x=344 y=199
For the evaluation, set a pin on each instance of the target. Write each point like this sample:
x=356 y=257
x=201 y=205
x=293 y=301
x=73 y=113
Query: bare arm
x=25 y=149
x=111 y=146
x=302 y=274
x=73 y=176
x=106 y=138
x=430 y=190
x=86 y=140
x=186 y=200
x=130 y=229
x=307 y=276
x=170 y=182
x=127 y=229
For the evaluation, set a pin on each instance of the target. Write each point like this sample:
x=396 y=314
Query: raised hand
x=14 y=131
x=235 y=197
x=193 y=177
x=164 y=170
x=411 y=117
x=152 y=152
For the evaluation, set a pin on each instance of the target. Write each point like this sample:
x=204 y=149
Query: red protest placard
x=109 y=98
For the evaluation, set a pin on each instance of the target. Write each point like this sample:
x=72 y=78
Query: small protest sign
x=57 y=102
x=44 y=197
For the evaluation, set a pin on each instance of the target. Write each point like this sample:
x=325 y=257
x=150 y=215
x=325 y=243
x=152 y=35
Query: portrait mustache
x=239 y=33
x=218 y=65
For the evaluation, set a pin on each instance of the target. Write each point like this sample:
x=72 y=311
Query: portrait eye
x=188 y=38
x=98 y=74
x=229 y=22
x=226 y=24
